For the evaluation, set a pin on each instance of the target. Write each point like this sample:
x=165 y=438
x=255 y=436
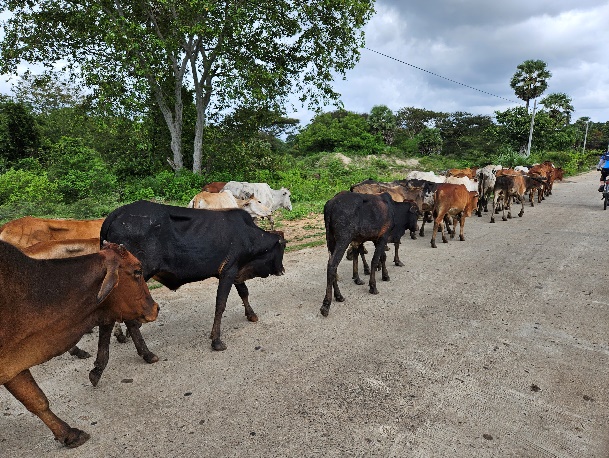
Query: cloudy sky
x=479 y=43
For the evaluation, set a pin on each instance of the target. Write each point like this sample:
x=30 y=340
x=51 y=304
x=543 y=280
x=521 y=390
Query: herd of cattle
x=62 y=278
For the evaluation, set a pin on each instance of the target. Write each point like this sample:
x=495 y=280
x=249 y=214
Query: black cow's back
x=181 y=245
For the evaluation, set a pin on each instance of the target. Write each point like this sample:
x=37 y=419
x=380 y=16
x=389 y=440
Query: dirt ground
x=493 y=347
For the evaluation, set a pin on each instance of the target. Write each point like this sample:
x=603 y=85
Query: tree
x=231 y=53
x=559 y=108
x=19 y=135
x=340 y=131
x=382 y=121
x=530 y=80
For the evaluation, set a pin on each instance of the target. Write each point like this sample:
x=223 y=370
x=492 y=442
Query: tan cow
x=27 y=231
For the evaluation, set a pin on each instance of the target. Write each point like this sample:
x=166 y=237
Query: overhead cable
x=439 y=76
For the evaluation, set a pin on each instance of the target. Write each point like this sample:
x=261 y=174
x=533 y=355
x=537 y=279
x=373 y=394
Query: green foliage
x=530 y=80
x=18 y=186
x=169 y=186
x=429 y=141
x=339 y=131
x=79 y=172
x=382 y=121
x=19 y=135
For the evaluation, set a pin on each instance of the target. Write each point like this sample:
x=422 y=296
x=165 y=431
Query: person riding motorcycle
x=603 y=166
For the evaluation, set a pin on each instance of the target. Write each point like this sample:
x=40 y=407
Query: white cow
x=486 y=184
x=226 y=199
x=471 y=185
x=428 y=176
x=272 y=198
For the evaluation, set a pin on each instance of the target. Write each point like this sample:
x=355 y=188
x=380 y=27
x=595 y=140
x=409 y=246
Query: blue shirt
x=604 y=162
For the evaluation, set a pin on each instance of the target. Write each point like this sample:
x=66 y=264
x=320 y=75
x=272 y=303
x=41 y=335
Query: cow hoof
x=339 y=298
x=422 y=233
x=444 y=241
x=373 y=290
x=80 y=354
x=150 y=358
x=399 y=264
x=218 y=345
x=252 y=317
x=462 y=238
x=366 y=271
x=520 y=214
x=386 y=278
x=94 y=376
x=413 y=236
x=493 y=220
x=433 y=245
x=504 y=218
x=324 y=310
x=122 y=338
x=74 y=438
x=358 y=281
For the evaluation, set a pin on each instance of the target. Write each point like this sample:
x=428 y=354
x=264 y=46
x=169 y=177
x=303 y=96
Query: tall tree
x=382 y=121
x=530 y=80
x=231 y=53
x=559 y=107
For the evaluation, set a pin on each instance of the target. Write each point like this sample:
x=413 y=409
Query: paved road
x=493 y=347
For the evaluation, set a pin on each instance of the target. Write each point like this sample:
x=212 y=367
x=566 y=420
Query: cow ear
x=110 y=281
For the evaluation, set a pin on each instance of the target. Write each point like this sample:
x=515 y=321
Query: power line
x=439 y=76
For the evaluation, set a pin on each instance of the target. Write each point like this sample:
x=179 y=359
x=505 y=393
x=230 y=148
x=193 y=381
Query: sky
x=478 y=43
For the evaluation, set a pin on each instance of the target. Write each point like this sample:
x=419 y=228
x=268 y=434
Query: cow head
x=269 y=261
x=284 y=199
x=124 y=292
x=255 y=207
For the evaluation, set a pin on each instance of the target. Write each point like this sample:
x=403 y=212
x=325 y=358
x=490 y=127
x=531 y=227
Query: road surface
x=497 y=346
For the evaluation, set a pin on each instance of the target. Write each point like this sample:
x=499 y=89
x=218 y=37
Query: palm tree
x=530 y=80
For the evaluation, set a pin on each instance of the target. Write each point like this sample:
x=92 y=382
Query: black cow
x=179 y=245
x=354 y=217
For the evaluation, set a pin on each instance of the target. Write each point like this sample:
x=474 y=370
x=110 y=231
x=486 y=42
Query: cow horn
x=110 y=280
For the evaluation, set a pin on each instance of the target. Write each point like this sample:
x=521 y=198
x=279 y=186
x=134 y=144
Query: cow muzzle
x=152 y=315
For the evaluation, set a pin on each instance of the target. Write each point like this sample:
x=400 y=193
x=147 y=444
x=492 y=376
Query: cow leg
x=522 y=209
x=103 y=353
x=396 y=255
x=461 y=224
x=332 y=278
x=79 y=353
x=118 y=333
x=26 y=390
x=362 y=254
x=244 y=295
x=355 y=259
x=133 y=328
x=384 y=272
x=224 y=286
x=379 y=250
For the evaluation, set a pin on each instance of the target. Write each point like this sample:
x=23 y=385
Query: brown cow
x=26 y=231
x=47 y=305
x=456 y=201
x=55 y=249
x=214 y=186
x=467 y=172
x=507 y=187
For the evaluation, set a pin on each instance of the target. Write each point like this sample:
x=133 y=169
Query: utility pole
x=585 y=137
x=528 y=153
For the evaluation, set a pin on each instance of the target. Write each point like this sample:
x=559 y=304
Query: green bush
x=79 y=172
x=18 y=186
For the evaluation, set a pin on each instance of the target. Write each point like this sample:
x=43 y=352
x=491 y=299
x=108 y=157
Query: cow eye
x=138 y=273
